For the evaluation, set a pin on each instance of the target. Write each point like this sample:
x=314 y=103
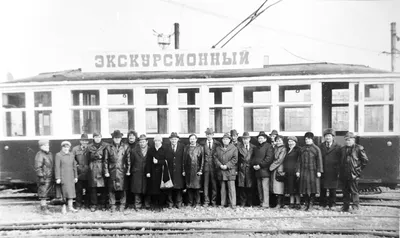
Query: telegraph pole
x=176 y=34
x=393 y=50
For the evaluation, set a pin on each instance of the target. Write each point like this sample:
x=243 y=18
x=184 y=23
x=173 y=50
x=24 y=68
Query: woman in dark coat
x=44 y=167
x=154 y=169
x=278 y=187
x=66 y=174
x=133 y=143
x=289 y=166
x=245 y=171
x=138 y=175
x=309 y=169
x=193 y=162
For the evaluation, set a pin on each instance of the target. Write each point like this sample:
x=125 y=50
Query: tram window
x=340 y=118
x=85 y=97
x=43 y=123
x=220 y=96
x=257 y=95
x=121 y=119
x=42 y=99
x=13 y=100
x=295 y=118
x=221 y=119
x=120 y=97
x=379 y=92
x=188 y=96
x=189 y=120
x=257 y=119
x=15 y=123
x=157 y=121
x=85 y=121
x=298 y=93
x=156 y=97
x=355 y=118
x=340 y=95
x=374 y=119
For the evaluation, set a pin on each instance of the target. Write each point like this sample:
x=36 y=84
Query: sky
x=52 y=35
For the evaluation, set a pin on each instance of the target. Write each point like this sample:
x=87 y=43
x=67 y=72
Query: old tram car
x=290 y=98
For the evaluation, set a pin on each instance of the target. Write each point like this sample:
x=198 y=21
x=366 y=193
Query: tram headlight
x=6 y=147
x=389 y=143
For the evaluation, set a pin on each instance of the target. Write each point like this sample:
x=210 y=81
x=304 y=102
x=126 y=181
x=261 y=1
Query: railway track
x=178 y=227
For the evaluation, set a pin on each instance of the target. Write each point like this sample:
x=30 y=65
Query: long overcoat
x=262 y=156
x=245 y=171
x=226 y=156
x=289 y=166
x=65 y=169
x=308 y=165
x=82 y=161
x=117 y=162
x=208 y=155
x=175 y=164
x=96 y=153
x=44 y=167
x=193 y=162
x=277 y=166
x=155 y=170
x=138 y=173
x=352 y=162
x=331 y=160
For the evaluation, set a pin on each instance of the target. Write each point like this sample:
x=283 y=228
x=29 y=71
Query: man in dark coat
x=132 y=138
x=96 y=183
x=331 y=154
x=261 y=160
x=245 y=171
x=154 y=171
x=117 y=165
x=353 y=161
x=225 y=159
x=174 y=157
x=138 y=181
x=82 y=160
x=235 y=137
x=209 y=168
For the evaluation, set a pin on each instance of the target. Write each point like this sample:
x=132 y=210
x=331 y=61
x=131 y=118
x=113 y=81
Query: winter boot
x=64 y=209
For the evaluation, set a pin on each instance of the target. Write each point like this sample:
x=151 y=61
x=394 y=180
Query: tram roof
x=268 y=70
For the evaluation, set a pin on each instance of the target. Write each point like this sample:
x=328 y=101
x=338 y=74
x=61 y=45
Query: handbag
x=168 y=184
x=280 y=176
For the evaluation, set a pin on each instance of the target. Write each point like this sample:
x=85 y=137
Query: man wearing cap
x=261 y=160
x=82 y=160
x=44 y=167
x=138 y=176
x=353 y=161
x=210 y=146
x=174 y=157
x=245 y=172
x=331 y=154
x=235 y=136
x=96 y=151
x=226 y=158
x=117 y=164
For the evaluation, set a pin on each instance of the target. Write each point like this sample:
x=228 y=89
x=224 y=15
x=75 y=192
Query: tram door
x=336 y=108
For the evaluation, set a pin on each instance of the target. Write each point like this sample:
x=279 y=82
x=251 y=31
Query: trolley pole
x=176 y=34
x=393 y=51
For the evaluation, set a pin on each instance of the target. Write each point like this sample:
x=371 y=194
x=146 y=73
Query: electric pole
x=393 y=50
x=176 y=34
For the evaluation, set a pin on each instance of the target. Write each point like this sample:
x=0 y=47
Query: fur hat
x=43 y=142
x=158 y=137
x=262 y=133
x=132 y=132
x=309 y=135
x=329 y=131
x=293 y=138
x=349 y=135
x=65 y=143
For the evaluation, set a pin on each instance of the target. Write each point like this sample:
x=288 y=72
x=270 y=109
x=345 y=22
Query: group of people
x=144 y=176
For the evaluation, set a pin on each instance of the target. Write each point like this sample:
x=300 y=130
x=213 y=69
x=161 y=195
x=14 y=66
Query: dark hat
x=209 y=131
x=84 y=136
x=245 y=135
x=174 y=135
x=329 y=131
x=65 y=143
x=274 y=132
x=142 y=137
x=293 y=138
x=117 y=134
x=349 y=135
x=96 y=133
x=262 y=133
x=309 y=135
x=226 y=135
x=43 y=142
x=234 y=132
x=132 y=132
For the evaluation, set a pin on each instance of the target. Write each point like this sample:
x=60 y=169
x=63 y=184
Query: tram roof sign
x=172 y=60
